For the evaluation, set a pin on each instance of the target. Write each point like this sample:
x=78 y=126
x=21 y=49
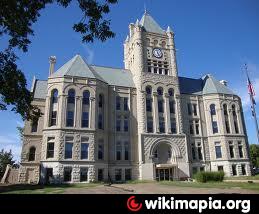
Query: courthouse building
x=143 y=121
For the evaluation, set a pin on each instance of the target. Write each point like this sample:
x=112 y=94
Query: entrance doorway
x=164 y=174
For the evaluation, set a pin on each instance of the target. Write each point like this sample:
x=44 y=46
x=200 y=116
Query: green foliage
x=254 y=154
x=204 y=177
x=16 y=20
x=5 y=158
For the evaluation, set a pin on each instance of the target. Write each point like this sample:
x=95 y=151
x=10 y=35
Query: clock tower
x=149 y=54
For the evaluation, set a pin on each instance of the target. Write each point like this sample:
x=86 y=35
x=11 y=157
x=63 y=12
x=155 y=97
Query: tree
x=16 y=19
x=254 y=154
x=5 y=158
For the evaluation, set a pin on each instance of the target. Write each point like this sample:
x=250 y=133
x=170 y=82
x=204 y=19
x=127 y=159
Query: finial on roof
x=137 y=23
x=145 y=8
x=169 y=30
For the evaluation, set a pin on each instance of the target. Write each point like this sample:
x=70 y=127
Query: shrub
x=203 y=177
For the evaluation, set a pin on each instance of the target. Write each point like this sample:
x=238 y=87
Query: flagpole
x=253 y=106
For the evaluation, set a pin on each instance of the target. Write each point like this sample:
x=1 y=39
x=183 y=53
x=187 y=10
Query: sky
x=215 y=37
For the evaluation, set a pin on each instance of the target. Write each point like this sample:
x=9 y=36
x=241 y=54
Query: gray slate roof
x=205 y=85
x=150 y=25
x=40 y=89
x=123 y=77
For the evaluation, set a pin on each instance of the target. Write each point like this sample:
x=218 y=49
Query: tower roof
x=150 y=25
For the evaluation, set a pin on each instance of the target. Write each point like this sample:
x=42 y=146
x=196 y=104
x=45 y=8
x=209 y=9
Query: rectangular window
x=68 y=147
x=191 y=127
x=218 y=150
x=118 y=103
x=173 y=126
x=243 y=169
x=85 y=119
x=67 y=174
x=231 y=149
x=118 y=151
x=150 y=124
x=53 y=120
x=172 y=107
x=100 y=149
x=148 y=105
x=161 y=125
x=234 y=169
x=214 y=127
x=100 y=174
x=194 y=109
x=125 y=104
x=200 y=152
x=70 y=119
x=220 y=168
x=83 y=174
x=118 y=174
x=34 y=125
x=160 y=106
x=240 y=149
x=189 y=108
x=50 y=147
x=84 y=150
x=118 y=124
x=100 y=121
x=126 y=150
x=126 y=124
x=197 y=127
x=127 y=174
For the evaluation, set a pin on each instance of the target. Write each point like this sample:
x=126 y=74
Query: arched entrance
x=164 y=157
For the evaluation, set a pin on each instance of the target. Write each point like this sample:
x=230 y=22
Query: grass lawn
x=221 y=185
x=38 y=189
x=256 y=177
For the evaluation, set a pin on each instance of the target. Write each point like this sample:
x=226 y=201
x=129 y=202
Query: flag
x=250 y=87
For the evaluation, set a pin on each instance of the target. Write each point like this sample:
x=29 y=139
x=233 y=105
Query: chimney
x=52 y=62
x=224 y=82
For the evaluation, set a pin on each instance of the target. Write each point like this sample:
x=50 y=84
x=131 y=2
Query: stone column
x=167 y=114
x=173 y=71
x=221 y=122
x=61 y=109
x=92 y=113
x=231 y=121
x=239 y=121
x=77 y=113
x=155 y=113
x=178 y=114
x=79 y=110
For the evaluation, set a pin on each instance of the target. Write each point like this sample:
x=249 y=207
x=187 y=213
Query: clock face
x=157 y=53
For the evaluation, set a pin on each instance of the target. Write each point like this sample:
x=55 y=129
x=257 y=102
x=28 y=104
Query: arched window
x=212 y=109
x=71 y=96
x=163 y=44
x=32 y=153
x=53 y=108
x=54 y=96
x=160 y=91
x=235 y=119
x=214 y=123
x=70 y=108
x=86 y=97
x=85 y=109
x=101 y=112
x=225 y=111
x=171 y=92
x=149 y=101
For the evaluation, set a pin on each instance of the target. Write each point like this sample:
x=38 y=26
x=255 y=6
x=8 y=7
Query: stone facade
x=146 y=124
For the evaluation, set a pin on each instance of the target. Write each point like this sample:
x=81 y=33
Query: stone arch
x=175 y=150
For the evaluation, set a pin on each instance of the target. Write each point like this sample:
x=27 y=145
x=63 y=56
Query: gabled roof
x=76 y=67
x=115 y=76
x=206 y=85
x=213 y=86
x=150 y=25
